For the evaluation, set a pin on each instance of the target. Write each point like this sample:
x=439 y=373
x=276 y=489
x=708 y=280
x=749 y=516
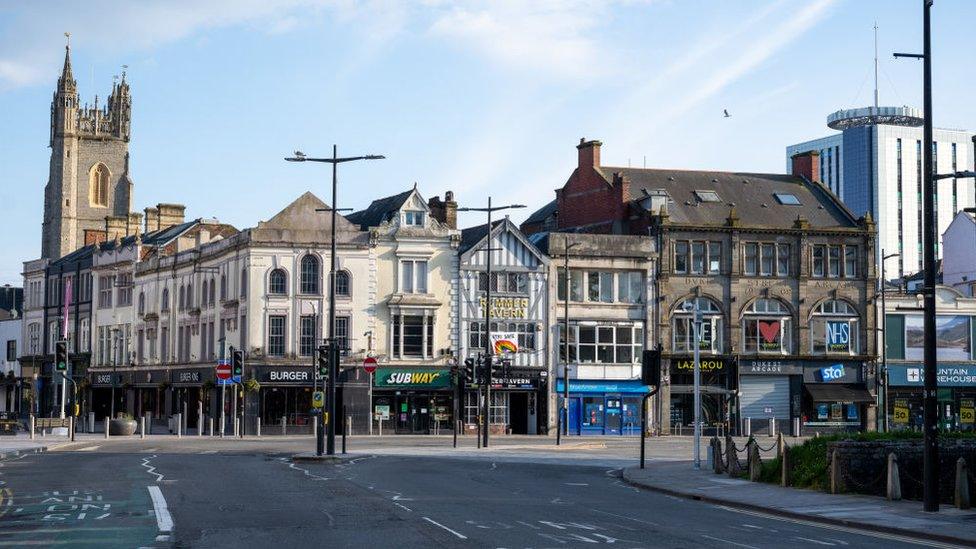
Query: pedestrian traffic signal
x=237 y=363
x=323 y=361
x=651 y=367
x=61 y=355
x=469 y=371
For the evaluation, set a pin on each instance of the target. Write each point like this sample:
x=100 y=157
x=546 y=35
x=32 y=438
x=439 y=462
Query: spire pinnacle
x=67 y=79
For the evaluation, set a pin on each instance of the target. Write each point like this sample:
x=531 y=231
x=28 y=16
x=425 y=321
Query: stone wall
x=863 y=465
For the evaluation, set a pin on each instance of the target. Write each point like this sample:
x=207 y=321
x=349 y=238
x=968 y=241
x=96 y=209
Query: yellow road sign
x=318 y=399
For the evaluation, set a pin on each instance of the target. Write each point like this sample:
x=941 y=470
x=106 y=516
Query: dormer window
x=707 y=196
x=415 y=219
x=787 y=199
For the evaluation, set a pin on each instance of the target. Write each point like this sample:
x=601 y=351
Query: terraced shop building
x=781 y=271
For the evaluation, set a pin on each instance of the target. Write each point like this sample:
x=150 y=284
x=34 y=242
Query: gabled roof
x=474 y=238
x=305 y=221
x=753 y=195
x=543 y=213
x=80 y=254
x=379 y=210
x=165 y=236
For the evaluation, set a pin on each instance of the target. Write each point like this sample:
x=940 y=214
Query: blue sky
x=472 y=96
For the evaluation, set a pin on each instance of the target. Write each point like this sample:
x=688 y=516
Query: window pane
x=714 y=257
x=698 y=257
x=413 y=335
x=833 y=263
x=606 y=287
x=407 y=277
x=751 y=258
x=818 y=261
x=421 y=274
x=593 y=286
x=768 y=256
x=681 y=336
x=605 y=334
x=576 y=285
x=587 y=334
x=850 y=261
x=681 y=257
x=636 y=287
x=783 y=263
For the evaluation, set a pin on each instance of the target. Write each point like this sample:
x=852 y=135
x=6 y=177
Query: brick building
x=781 y=270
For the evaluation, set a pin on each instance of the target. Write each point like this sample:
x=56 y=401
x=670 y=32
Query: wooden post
x=784 y=467
x=755 y=462
x=894 y=479
x=718 y=459
x=780 y=444
x=962 y=484
x=836 y=483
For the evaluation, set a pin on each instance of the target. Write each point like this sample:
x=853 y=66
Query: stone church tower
x=88 y=196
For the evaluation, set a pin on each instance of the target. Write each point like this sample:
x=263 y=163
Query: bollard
x=711 y=454
x=315 y=426
x=283 y=425
x=236 y=427
x=91 y=422
x=796 y=426
x=836 y=483
x=210 y=426
x=106 y=427
x=747 y=427
x=142 y=427
x=184 y=417
x=780 y=445
x=257 y=431
x=755 y=462
x=962 y=484
x=30 y=421
x=179 y=425
x=772 y=427
x=784 y=467
x=71 y=427
x=148 y=419
x=223 y=422
x=894 y=479
x=200 y=418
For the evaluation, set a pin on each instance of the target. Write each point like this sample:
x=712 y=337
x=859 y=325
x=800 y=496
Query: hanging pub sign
x=838 y=336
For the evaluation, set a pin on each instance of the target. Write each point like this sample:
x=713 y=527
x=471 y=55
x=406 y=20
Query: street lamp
x=884 y=340
x=696 y=324
x=565 y=408
x=488 y=348
x=329 y=425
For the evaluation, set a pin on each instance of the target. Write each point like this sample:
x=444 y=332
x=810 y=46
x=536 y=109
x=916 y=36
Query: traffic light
x=469 y=371
x=323 y=361
x=499 y=368
x=61 y=355
x=237 y=363
x=651 y=367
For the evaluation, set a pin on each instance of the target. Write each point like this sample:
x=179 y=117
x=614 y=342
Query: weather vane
x=67 y=37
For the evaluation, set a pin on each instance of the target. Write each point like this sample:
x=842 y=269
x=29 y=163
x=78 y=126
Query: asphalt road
x=120 y=495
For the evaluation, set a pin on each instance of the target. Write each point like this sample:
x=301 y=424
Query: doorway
x=518 y=413
x=412 y=414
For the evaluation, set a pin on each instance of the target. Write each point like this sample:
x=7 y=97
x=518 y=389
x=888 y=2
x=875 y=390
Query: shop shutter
x=760 y=392
x=895 y=336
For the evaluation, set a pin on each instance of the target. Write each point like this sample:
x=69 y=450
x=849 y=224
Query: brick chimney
x=445 y=210
x=152 y=219
x=589 y=153
x=170 y=214
x=807 y=164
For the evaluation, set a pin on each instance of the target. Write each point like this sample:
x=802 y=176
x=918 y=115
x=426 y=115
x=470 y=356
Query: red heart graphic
x=769 y=331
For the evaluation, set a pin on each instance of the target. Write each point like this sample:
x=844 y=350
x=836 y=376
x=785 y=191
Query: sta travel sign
x=425 y=378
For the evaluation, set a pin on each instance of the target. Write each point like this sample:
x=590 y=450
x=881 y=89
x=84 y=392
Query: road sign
x=224 y=371
x=369 y=365
x=318 y=399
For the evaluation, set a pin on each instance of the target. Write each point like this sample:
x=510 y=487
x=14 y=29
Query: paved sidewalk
x=13 y=446
x=859 y=511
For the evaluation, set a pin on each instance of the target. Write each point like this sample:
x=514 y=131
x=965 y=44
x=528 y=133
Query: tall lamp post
x=488 y=347
x=564 y=411
x=329 y=425
x=884 y=340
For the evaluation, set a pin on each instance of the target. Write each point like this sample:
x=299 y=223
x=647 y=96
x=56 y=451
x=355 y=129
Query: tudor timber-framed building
x=783 y=272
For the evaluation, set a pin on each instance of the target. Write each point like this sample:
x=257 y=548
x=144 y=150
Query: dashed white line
x=729 y=542
x=164 y=521
x=439 y=525
x=576 y=484
x=814 y=541
x=89 y=448
x=402 y=506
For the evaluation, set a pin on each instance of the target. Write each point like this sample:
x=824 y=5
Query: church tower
x=88 y=196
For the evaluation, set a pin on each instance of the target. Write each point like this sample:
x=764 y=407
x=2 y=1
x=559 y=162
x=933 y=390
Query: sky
x=479 y=97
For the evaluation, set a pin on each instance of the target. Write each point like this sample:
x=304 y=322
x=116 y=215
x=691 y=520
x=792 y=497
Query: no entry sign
x=369 y=365
x=223 y=371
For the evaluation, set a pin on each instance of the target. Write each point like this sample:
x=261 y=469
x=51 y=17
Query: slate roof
x=543 y=213
x=471 y=236
x=301 y=221
x=751 y=193
x=379 y=210
x=163 y=236
x=80 y=254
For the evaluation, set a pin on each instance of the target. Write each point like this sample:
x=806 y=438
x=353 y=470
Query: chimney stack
x=589 y=153
x=152 y=219
x=170 y=214
x=807 y=164
x=445 y=210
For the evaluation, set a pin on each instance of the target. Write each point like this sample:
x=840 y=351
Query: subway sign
x=412 y=378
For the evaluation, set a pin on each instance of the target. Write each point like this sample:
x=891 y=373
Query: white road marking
x=151 y=469
x=307 y=473
x=625 y=517
x=164 y=521
x=729 y=542
x=209 y=452
x=402 y=506
x=439 y=525
x=89 y=448
x=814 y=541
x=576 y=484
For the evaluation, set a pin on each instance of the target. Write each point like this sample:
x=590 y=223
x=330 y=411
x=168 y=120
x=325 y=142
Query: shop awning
x=838 y=392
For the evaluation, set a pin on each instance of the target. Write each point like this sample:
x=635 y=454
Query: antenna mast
x=875 y=67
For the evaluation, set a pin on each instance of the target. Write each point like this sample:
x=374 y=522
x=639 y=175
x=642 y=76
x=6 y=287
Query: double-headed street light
x=488 y=346
x=329 y=425
x=884 y=339
x=563 y=414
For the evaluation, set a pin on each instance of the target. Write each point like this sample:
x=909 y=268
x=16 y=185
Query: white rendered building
x=875 y=165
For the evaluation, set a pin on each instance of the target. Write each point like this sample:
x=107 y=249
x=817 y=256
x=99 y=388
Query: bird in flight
x=726 y=112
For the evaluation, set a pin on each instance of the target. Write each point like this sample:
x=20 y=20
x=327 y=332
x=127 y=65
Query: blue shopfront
x=956 y=395
x=603 y=407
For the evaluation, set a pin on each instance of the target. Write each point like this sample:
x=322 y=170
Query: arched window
x=165 y=301
x=182 y=298
x=223 y=287
x=766 y=327
x=277 y=282
x=203 y=295
x=310 y=275
x=213 y=291
x=342 y=283
x=142 y=303
x=682 y=325
x=189 y=296
x=98 y=185
x=833 y=328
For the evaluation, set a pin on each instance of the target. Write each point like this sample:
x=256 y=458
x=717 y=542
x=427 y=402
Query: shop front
x=716 y=392
x=835 y=397
x=518 y=402
x=413 y=400
x=770 y=388
x=188 y=391
x=286 y=392
x=956 y=396
x=102 y=384
x=148 y=389
x=604 y=407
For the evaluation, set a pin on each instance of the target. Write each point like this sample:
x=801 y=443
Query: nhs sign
x=838 y=335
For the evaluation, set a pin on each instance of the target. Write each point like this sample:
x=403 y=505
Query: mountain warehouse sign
x=417 y=378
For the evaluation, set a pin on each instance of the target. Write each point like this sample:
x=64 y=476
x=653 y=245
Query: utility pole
x=328 y=425
x=696 y=324
x=884 y=343
x=564 y=411
x=488 y=346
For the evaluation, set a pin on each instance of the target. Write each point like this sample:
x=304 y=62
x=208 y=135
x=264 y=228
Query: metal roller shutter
x=760 y=392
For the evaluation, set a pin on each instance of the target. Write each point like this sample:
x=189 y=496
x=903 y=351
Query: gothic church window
x=98 y=185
